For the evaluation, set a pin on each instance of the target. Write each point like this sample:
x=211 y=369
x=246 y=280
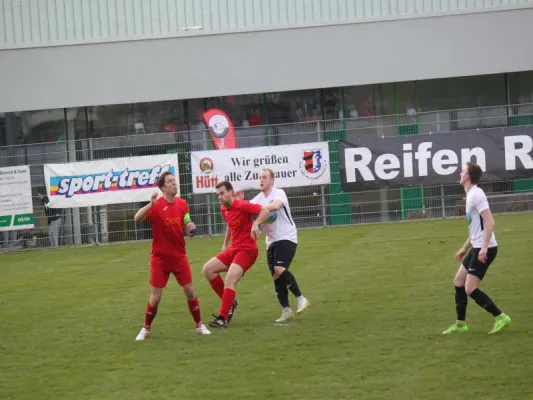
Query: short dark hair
x=162 y=177
x=224 y=184
x=41 y=190
x=474 y=172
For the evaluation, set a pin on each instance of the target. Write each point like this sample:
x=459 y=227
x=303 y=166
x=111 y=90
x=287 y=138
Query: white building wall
x=206 y=65
x=28 y=23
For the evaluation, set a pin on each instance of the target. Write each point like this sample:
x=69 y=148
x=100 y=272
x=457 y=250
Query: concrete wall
x=266 y=61
x=31 y=23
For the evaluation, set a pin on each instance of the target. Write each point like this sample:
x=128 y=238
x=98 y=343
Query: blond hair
x=270 y=171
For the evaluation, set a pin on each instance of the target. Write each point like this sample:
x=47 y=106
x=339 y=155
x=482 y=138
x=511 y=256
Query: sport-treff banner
x=304 y=164
x=16 y=205
x=373 y=163
x=108 y=181
x=221 y=129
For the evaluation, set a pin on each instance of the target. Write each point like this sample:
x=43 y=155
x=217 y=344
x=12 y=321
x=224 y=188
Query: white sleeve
x=280 y=195
x=481 y=203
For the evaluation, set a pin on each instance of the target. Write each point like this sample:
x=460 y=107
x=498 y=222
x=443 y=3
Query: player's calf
x=152 y=307
x=285 y=282
x=149 y=316
x=480 y=297
x=282 y=292
x=234 y=275
x=232 y=310
x=188 y=291
x=155 y=296
x=194 y=308
x=211 y=271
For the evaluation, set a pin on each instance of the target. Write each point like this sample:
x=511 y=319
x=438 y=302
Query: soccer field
x=380 y=297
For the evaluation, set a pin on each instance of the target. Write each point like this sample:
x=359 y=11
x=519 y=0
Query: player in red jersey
x=168 y=216
x=239 y=257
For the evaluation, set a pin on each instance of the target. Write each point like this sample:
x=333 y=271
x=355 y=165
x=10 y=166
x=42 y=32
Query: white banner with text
x=294 y=165
x=108 y=181
x=16 y=205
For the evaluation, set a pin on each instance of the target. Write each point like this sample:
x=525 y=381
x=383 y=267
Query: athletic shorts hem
x=476 y=268
x=281 y=254
x=160 y=271
x=244 y=258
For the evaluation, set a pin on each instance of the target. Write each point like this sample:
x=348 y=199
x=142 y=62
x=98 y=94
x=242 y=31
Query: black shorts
x=280 y=254
x=474 y=266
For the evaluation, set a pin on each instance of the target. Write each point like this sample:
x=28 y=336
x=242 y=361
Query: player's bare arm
x=238 y=194
x=262 y=217
x=227 y=239
x=275 y=205
x=140 y=216
x=488 y=223
x=462 y=251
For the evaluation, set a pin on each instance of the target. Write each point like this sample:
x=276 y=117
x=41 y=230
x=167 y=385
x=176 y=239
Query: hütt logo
x=312 y=163
x=206 y=180
x=219 y=125
x=206 y=165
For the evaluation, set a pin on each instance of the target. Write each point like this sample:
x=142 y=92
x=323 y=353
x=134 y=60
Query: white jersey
x=279 y=225
x=476 y=202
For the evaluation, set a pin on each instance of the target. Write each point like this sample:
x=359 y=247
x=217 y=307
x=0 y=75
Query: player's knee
x=207 y=270
x=155 y=299
x=189 y=292
x=459 y=281
x=233 y=276
x=277 y=272
x=230 y=282
x=470 y=287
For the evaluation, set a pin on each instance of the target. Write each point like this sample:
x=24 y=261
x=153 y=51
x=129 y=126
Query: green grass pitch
x=380 y=297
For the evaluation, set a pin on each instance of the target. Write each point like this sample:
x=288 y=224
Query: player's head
x=225 y=193
x=472 y=173
x=266 y=179
x=167 y=183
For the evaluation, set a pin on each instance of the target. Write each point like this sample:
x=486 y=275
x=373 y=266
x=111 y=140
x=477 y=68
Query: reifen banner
x=373 y=163
x=108 y=181
x=303 y=164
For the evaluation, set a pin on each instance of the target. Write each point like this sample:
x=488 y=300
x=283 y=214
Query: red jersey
x=166 y=218
x=239 y=220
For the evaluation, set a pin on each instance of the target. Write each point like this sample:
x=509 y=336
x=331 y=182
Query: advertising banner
x=221 y=129
x=108 y=181
x=373 y=163
x=294 y=165
x=16 y=206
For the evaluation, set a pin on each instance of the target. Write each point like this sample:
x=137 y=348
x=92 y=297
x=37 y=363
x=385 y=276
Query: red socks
x=227 y=296
x=149 y=316
x=227 y=301
x=218 y=286
x=194 y=308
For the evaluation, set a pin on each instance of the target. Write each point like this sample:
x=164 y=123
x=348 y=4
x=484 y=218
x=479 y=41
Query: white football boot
x=303 y=303
x=202 y=330
x=286 y=315
x=143 y=334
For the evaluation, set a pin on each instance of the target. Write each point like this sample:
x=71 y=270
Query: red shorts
x=160 y=270
x=245 y=258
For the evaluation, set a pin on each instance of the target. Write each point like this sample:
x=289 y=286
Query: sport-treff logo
x=112 y=180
